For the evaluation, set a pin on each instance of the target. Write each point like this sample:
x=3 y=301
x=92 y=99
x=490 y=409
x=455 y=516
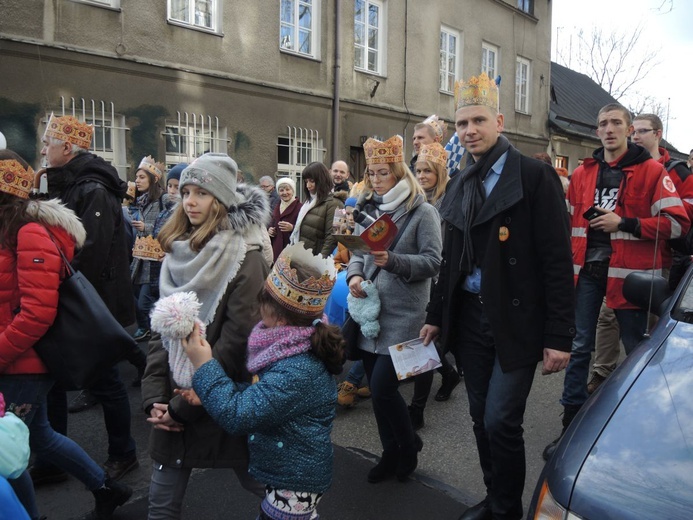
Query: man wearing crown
x=90 y=187
x=504 y=298
x=429 y=131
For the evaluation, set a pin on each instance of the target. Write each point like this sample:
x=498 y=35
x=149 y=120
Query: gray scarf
x=207 y=273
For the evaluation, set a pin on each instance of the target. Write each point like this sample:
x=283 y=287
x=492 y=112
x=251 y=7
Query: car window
x=684 y=310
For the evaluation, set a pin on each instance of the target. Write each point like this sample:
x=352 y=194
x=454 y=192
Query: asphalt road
x=447 y=480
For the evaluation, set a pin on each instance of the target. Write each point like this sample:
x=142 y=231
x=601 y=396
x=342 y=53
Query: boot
x=386 y=468
x=408 y=459
x=450 y=380
x=416 y=415
x=112 y=495
x=569 y=413
x=346 y=394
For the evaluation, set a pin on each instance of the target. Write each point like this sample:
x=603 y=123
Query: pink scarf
x=266 y=346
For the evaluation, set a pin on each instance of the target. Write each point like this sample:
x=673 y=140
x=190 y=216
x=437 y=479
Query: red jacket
x=647 y=193
x=683 y=185
x=29 y=281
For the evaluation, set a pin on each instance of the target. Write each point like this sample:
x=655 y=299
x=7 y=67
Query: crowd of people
x=502 y=263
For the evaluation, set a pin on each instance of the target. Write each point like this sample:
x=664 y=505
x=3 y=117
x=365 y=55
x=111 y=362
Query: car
x=628 y=454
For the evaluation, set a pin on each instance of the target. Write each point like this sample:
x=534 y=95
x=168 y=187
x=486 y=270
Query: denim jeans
x=589 y=294
x=356 y=373
x=389 y=407
x=497 y=402
x=25 y=396
x=144 y=300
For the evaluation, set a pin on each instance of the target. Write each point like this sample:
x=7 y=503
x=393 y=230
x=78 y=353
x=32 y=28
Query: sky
x=669 y=25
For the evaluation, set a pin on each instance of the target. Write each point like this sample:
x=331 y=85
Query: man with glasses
x=267 y=184
x=623 y=206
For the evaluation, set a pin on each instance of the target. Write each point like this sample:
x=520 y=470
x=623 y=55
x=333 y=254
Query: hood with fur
x=251 y=215
x=54 y=213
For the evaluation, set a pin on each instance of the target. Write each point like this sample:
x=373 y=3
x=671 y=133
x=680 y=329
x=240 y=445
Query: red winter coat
x=647 y=193
x=29 y=281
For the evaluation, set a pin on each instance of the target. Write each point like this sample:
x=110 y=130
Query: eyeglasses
x=382 y=174
x=643 y=131
x=266 y=186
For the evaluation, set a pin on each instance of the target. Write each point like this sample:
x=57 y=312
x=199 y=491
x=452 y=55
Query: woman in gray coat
x=403 y=284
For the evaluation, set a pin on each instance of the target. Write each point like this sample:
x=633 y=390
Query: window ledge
x=195 y=28
x=370 y=72
x=98 y=4
x=446 y=93
x=527 y=114
x=299 y=55
x=517 y=10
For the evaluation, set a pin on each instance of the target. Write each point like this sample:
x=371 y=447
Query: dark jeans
x=111 y=393
x=144 y=300
x=389 y=407
x=424 y=382
x=497 y=403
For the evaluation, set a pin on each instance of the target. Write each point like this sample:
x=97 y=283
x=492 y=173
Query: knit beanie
x=174 y=173
x=215 y=173
x=288 y=181
x=350 y=202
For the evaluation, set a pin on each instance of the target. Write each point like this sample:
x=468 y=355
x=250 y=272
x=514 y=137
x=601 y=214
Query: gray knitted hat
x=216 y=173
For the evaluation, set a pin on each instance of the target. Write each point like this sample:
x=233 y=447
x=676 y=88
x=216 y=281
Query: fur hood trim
x=253 y=209
x=54 y=213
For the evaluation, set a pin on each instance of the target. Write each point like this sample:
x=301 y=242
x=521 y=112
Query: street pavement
x=447 y=481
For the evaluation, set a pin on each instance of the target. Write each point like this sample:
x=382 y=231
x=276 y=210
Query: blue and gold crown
x=479 y=90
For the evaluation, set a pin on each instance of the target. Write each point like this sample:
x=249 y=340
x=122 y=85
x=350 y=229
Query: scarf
x=283 y=205
x=266 y=346
x=391 y=200
x=468 y=187
x=207 y=273
x=307 y=206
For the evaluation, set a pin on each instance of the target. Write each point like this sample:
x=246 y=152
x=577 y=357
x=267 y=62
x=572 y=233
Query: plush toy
x=174 y=317
x=365 y=311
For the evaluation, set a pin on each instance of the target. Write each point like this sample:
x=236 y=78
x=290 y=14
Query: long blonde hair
x=441 y=180
x=401 y=171
x=178 y=227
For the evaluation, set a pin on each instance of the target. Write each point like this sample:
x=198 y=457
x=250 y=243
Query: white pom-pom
x=175 y=315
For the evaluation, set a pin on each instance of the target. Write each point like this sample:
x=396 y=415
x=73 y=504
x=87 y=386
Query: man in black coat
x=504 y=298
x=90 y=187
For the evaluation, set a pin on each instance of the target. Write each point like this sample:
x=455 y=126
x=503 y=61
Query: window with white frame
x=369 y=36
x=522 y=76
x=114 y=4
x=526 y=5
x=449 y=61
x=296 y=150
x=489 y=59
x=199 y=14
x=299 y=27
x=191 y=135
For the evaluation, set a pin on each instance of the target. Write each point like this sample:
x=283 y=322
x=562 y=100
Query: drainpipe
x=337 y=66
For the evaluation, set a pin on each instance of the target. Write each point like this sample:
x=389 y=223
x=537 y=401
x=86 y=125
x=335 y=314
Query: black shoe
x=117 y=469
x=449 y=384
x=551 y=447
x=408 y=459
x=416 y=417
x=112 y=495
x=481 y=511
x=569 y=413
x=385 y=469
x=81 y=402
x=48 y=475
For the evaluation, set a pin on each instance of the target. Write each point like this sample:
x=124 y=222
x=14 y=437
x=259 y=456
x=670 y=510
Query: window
x=522 y=75
x=369 y=36
x=191 y=135
x=201 y=14
x=295 y=151
x=489 y=60
x=561 y=162
x=449 y=45
x=115 y=4
x=526 y=5
x=299 y=23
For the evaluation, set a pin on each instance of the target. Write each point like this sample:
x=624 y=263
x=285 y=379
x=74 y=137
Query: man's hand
x=608 y=222
x=429 y=333
x=197 y=348
x=161 y=419
x=554 y=361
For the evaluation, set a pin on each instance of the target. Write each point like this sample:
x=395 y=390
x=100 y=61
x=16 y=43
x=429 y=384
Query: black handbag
x=352 y=330
x=85 y=339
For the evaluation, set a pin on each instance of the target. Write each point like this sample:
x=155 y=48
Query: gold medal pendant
x=503 y=234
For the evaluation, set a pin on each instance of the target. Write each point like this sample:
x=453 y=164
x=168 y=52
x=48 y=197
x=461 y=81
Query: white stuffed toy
x=174 y=317
x=365 y=311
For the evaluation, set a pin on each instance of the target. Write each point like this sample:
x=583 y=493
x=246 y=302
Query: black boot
x=408 y=459
x=112 y=495
x=384 y=469
x=450 y=380
x=569 y=413
x=416 y=416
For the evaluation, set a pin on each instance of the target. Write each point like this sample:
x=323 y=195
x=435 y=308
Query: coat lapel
x=506 y=193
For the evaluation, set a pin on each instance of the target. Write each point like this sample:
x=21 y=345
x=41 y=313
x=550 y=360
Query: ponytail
x=327 y=344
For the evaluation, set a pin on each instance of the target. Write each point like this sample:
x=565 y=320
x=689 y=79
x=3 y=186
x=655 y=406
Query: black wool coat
x=521 y=238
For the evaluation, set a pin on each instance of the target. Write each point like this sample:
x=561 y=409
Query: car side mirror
x=647 y=291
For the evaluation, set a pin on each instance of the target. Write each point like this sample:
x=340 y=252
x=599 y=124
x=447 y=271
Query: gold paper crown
x=378 y=152
x=434 y=153
x=438 y=126
x=15 y=180
x=70 y=130
x=307 y=297
x=148 y=164
x=147 y=248
x=479 y=90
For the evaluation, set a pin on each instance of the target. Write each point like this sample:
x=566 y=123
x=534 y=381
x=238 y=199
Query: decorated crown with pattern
x=379 y=152
x=434 y=153
x=147 y=248
x=479 y=90
x=438 y=126
x=149 y=165
x=70 y=130
x=304 y=297
x=16 y=180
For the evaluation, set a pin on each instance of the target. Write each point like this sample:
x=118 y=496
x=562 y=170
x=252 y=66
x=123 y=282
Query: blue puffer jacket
x=287 y=415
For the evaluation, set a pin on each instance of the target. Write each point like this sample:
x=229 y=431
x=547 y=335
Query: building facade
x=276 y=84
